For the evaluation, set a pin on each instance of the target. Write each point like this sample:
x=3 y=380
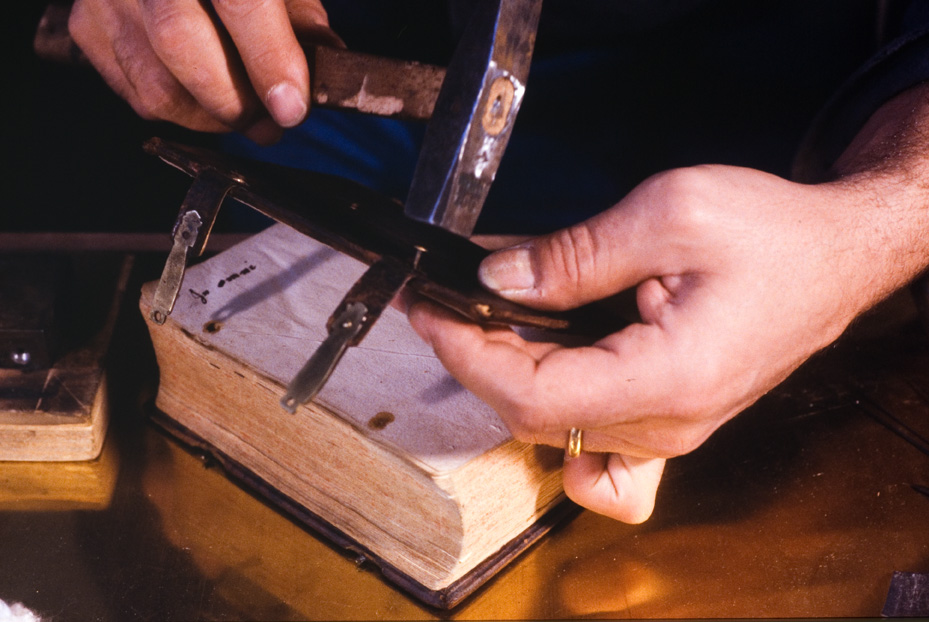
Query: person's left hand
x=207 y=66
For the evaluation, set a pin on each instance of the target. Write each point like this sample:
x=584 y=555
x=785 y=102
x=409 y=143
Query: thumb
x=618 y=486
x=564 y=269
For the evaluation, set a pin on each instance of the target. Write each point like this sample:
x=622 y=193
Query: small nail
x=286 y=104
x=508 y=271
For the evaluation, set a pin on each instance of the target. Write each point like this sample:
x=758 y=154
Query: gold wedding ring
x=575 y=439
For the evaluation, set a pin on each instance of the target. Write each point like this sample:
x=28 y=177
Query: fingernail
x=286 y=105
x=508 y=271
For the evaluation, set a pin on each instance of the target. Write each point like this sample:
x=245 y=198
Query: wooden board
x=61 y=413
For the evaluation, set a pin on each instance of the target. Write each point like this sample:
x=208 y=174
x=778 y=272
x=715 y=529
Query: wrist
x=883 y=177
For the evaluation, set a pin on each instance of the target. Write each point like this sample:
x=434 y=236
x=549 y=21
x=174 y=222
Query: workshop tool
x=432 y=262
x=467 y=134
x=474 y=115
x=339 y=79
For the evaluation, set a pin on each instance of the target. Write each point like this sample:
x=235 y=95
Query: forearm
x=885 y=171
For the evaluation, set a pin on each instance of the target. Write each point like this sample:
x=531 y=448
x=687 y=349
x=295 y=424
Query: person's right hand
x=208 y=66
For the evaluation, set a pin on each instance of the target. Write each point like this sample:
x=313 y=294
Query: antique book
x=393 y=459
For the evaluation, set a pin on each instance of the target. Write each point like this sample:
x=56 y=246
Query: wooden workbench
x=803 y=506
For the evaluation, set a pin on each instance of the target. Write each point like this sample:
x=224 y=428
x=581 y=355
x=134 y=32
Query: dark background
x=723 y=82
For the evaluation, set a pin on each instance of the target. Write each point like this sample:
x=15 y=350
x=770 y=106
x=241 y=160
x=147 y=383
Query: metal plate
x=367 y=226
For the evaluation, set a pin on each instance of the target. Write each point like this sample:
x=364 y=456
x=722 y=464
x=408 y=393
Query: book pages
x=265 y=303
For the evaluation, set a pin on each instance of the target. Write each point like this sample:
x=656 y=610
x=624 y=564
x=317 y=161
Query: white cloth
x=16 y=613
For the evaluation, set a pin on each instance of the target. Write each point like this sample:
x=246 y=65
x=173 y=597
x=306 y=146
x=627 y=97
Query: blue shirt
x=617 y=92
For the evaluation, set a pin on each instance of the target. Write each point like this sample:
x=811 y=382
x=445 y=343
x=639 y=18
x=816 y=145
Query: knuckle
x=267 y=65
x=238 y=9
x=686 y=196
x=161 y=94
x=231 y=110
x=171 y=30
x=156 y=103
x=155 y=96
x=567 y=260
x=307 y=12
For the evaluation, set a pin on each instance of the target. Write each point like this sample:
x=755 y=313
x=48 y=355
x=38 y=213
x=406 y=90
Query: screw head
x=21 y=357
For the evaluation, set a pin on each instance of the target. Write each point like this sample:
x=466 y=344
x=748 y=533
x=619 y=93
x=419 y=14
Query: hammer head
x=474 y=115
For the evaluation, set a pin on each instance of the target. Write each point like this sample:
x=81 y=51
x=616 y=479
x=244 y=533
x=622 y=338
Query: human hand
x=235 y=66
x=739 y=275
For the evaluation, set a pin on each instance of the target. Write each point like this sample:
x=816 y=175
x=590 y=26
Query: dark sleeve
x=899 y=66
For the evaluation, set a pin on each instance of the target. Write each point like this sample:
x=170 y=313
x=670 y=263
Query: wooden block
x=61 y=413
x=54 y=486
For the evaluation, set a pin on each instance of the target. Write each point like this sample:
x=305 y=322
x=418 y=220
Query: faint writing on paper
x=202 y=296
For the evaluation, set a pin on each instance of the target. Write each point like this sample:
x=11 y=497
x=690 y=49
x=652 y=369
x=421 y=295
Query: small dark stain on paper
x=381 y=420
